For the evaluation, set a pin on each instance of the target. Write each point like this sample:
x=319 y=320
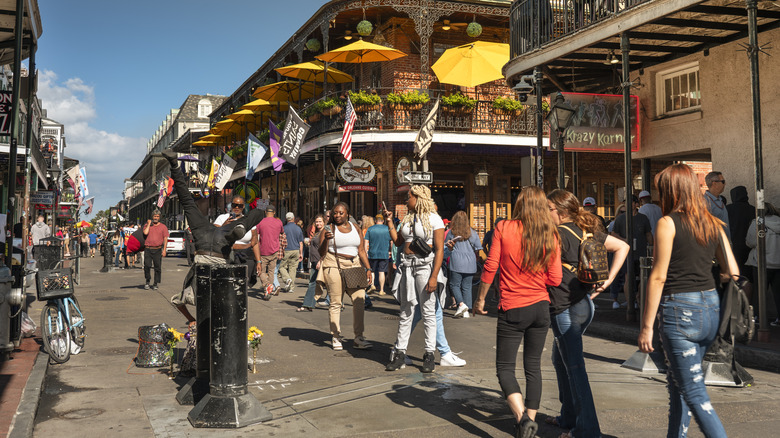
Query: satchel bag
x=351 y=278
x=419 y=245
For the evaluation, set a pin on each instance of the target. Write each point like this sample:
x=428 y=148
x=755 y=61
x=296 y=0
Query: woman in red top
x=528 y=251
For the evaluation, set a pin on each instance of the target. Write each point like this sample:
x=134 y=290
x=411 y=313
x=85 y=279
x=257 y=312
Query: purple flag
x=275 y=138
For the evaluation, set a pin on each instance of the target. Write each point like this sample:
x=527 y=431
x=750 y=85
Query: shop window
x=679 y=90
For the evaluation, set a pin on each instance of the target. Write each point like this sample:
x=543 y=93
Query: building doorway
x=450 y=197
x=605 y=192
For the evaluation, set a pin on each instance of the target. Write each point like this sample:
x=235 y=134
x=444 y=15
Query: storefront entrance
x=450 y=197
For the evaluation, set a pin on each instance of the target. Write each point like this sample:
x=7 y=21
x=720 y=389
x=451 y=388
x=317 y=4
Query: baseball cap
x=270 y=208
x=289 y=216
x=644 y=194
x=446 y=221
x=588 y=202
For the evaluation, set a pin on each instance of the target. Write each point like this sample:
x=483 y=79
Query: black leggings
x=533 y=323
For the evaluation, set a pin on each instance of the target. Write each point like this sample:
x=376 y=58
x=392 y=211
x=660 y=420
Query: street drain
x=112 y=299
x=391 y=318
x=78 y=414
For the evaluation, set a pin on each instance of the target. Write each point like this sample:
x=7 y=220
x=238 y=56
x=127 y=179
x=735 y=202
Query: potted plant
x=331 y=106
x=507 y=107
x=410 y=100
x=312 y=113
x=363 y=101
x=264 y=136
x=458 y=103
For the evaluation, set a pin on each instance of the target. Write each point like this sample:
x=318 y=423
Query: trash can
x=48 y=253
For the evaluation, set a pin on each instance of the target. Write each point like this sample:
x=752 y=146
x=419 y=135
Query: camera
x=524 y=87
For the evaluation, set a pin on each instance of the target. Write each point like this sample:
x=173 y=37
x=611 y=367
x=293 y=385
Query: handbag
x=419 y=245
x=354 y=277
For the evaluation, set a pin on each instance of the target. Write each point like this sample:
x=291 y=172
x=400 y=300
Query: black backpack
x=737 y=314
x=593 y=266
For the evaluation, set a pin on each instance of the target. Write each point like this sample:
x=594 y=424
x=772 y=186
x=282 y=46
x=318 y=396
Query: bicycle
x=62 y=324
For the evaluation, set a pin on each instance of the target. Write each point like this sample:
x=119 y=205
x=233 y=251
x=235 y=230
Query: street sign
x=417 y=177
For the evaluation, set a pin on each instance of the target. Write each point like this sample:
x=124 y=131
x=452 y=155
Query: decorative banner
x=6 y=98
x=275 y=139
x=425 y=137
x=73 y=177
x=255 y=153
x=224 y=173
x=89 y=203
x=84 y=187
x=292 y=139
x=212 y=173
x=598 y=123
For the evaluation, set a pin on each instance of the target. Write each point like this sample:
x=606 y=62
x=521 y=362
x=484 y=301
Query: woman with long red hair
x=681 y=287
x=528 y=251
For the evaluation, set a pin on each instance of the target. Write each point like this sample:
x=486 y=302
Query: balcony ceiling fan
x=448 y=25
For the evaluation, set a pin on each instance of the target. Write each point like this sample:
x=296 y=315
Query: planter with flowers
x=172 y=337
x=364 y=101
x=507 y=107
x=458 y=104
x=407 y=101
x=330 y=107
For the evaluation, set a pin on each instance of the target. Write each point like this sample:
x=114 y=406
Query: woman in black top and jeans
x=682 y=288
x=571 y=309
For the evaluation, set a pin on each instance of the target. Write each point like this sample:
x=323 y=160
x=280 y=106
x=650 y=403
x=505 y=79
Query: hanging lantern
x=474 y=29
x=313 y=45
x=365 y=28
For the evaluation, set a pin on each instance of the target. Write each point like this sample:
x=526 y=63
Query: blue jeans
x=689 y=324
x=441 y=339
x=578 y=412
x=117 y=255
x=308 y=299
x=461 y=287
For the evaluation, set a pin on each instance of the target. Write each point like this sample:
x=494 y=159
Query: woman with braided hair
x=419 y=273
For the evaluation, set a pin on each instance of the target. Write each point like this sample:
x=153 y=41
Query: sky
x=111 y=71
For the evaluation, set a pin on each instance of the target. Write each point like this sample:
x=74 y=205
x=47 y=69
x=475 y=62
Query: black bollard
x=197 y=387
x=108 y=257
x=228 y=403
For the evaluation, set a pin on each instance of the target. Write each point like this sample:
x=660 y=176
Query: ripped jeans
x=689 y=323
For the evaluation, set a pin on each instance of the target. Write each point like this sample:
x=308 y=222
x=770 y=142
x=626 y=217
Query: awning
x=32 y=28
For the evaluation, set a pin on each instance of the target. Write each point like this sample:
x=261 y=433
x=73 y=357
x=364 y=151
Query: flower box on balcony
x=457 y=104
x=314 y=117
x=507 y=107
x=405 y=106
x=364 y=108
x=364 y=102
x=407 y=101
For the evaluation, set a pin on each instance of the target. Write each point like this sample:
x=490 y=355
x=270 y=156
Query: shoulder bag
x=354 y=277
x=419 y=245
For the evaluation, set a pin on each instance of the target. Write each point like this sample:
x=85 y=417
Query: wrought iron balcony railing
x=536 y=23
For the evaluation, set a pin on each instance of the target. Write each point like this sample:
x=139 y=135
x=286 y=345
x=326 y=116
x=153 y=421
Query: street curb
x=747 y=356
x=24 y=420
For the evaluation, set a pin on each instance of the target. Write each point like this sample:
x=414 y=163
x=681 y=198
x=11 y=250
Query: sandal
x=304 y=309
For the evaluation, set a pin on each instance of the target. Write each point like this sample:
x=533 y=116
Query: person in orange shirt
x=528 y=251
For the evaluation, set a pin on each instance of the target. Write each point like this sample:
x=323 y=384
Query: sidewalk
x=310 y=389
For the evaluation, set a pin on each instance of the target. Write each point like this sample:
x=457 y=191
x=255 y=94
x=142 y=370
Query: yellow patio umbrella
x=314 y=71
x=287 y=91
x=264 y=105
x=361 y=51
x=210 y=137
x=204 y=143
x=472 y=64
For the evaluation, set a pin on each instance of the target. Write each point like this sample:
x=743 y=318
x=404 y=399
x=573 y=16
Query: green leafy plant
x=329 y=103
x=504 y=103
x=363 y=98
x=458 y=100
x=545 y=106
x=411 y=97
x=264 y=136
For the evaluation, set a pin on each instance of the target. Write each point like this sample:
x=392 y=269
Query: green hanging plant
x=504 y=103
x=474 y=29
x=365 y=28
x=458 y=100
x=411 y=97
x=364 y=98
x=313 y=45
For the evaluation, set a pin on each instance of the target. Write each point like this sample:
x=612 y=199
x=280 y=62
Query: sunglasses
x=722 y=181
x=238 y=205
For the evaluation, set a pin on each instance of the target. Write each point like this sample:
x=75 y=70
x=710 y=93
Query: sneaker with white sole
x=461 y=309
x=615 y=305
x=336 y=342
x=467 y=314
x=451 y=360
x=361 y=343
x=288 y=285
x=397 y=361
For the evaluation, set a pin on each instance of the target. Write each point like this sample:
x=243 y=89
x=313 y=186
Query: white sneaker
x=361 y=343
x=451 y=360
x=461 y=308
x=615 y=305
x=467 y=314
x=337 y=344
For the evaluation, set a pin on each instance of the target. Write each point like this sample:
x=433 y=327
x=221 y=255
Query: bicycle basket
x=53 y=284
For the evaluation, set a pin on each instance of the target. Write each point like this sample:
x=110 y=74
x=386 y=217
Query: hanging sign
x=6 y=97
x=42 y=197
x=295 y=130
x=598 y=123
x=356 y=188
x=357 y=171
x=404 y=165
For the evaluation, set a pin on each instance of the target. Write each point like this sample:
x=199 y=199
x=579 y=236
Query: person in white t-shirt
x=417 y=280
x=652 y=211
x=242 y=248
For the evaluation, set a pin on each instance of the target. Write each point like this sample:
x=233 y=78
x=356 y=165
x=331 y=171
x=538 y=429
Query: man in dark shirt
x=293 y=252
x=642 y=239
x=741 y=214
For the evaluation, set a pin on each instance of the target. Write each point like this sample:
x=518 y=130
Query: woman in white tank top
x=342 y=239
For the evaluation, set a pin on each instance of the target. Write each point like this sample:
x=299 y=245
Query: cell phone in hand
x=384 y=207
x=457 y=239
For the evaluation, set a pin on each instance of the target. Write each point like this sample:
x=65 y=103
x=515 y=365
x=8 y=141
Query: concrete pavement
x=311 y=389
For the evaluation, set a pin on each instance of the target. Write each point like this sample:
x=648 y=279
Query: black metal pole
x=630 y=274
x=538 y=77
x=561 y=161
x=753 y=50
x=575 y=177
x=14 y=128
x=298 y=191
x=28 y=150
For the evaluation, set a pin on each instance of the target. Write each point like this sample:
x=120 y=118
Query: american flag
x=349 y=125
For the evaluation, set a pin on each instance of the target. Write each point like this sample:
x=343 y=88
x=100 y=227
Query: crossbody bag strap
x=335 y=248
x=566 y=265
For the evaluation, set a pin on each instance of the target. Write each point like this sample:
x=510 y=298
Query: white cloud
x=108 y=157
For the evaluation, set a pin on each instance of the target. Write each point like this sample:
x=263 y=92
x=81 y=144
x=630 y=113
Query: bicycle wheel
x=55 y=334
x=78 y=328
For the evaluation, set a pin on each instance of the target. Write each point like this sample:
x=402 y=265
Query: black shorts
x=378 y=265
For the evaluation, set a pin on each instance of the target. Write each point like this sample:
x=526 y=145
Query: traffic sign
x=417 y=177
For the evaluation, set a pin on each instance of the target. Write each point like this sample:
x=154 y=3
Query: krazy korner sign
x=598 y=123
